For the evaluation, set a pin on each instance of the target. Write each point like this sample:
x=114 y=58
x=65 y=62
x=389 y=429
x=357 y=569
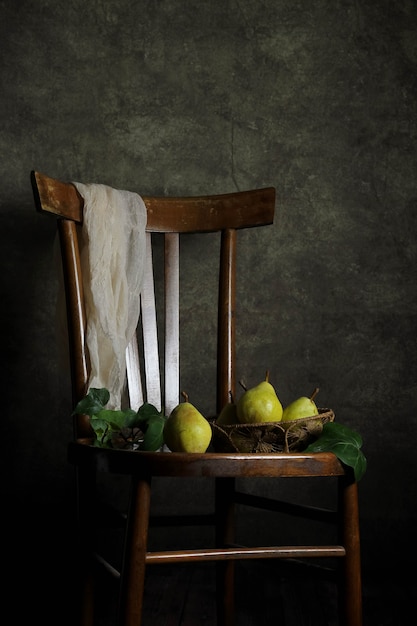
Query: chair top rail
x=210 y=213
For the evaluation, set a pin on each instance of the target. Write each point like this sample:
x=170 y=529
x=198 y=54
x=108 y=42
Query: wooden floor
x=185 y=596
x=42 y=577
x=261 y=600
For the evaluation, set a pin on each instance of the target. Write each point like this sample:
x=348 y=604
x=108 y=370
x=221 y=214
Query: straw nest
x=293 y=436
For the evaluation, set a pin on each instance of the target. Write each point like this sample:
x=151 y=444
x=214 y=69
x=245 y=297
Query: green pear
x=259 y=404
x=186 y=429
x=301 y=408
x=228 y=414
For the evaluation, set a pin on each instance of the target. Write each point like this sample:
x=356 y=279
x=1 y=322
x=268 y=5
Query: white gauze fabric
x=112 y=261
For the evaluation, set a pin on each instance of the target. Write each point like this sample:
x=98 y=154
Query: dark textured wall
x=315 y=98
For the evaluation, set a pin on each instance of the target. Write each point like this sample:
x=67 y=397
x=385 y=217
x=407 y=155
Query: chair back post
x=76 y=318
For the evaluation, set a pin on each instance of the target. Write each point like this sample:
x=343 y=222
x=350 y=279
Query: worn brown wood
x=54 y=196
x=267 y=595
x=76 y=317
x=244 y=209
x=349 y=534
x=176 y=217
x=209 y=464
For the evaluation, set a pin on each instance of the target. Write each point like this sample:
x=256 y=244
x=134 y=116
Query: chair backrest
x=173 y=217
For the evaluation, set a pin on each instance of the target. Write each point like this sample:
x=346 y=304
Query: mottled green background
x=317 y=98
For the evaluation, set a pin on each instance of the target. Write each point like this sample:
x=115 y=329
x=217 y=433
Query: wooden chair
x=176 y=217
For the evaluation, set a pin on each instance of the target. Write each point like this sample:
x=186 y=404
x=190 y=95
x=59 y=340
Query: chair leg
x=225 y=535
x=87 y=608
x=350 y=604
x=134 y=560
x=85 y=487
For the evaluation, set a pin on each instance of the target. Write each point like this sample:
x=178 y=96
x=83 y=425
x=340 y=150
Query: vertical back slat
x=150 y=332
x=133 y=372
x=172 y=322
x=226 y=350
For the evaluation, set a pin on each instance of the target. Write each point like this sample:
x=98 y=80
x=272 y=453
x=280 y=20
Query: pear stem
x=242 y=384
x=267 y=376
x=315 y=392
x=184 y=395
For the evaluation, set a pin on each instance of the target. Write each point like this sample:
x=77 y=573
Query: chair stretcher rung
x=106 y=566
x=290 y=508
x=282 y=552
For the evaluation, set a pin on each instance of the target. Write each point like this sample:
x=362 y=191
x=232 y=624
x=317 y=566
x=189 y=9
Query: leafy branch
x=345 y=443
x=141 y=430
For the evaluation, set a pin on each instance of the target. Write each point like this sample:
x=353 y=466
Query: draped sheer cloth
x=112 y=255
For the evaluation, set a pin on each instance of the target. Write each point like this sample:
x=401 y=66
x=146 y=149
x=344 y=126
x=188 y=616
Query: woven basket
x=293 y=436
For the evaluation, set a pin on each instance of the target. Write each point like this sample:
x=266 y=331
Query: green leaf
x=114 y=419
x=153 y=438
x=101 y=430
x=147 y=411
x=93 y=402
x=333 y=431
x=345 y=443
x=107 y=423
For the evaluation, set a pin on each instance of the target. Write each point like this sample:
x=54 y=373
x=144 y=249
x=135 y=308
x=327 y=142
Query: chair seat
x=209 y=464
x=142 y=466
